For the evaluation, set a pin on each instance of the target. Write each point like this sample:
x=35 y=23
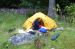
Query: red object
x=40 y=26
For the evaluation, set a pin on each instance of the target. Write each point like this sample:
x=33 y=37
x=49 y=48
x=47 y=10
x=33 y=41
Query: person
x=37 y=24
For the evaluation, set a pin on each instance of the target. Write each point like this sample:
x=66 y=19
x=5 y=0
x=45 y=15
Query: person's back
x=37 y=24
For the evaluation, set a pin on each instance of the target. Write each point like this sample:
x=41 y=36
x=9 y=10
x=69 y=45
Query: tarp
x=22 y=38
x=48 y=22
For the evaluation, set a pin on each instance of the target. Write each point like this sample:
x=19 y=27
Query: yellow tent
x=48 y=22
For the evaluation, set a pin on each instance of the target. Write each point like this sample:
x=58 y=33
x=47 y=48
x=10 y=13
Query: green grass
x=13 y=20
x=8 y=21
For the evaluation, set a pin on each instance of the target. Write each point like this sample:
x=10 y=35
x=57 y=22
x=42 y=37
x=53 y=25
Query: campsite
x=33 y=25
x=65 y=40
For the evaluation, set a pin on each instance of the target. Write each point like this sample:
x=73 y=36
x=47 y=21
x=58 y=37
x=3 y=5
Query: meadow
x=9 y=20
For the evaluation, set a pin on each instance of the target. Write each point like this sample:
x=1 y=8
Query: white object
x=43 y=27
x=40 y=34
x=61 y=28
x=21 y=31
x=29 y=30
x=52 y=48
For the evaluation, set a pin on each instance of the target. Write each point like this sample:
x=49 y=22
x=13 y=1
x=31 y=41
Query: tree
x=9 y=3
x=51 y=8
x=34 y=3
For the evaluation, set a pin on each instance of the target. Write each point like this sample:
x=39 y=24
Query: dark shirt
x=36 y=25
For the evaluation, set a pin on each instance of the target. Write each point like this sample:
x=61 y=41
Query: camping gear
x=22 y=38
x=60 y=28
x=21 y=31
x=48 y=22
x=43 y=30
x=31 y=32
x=55 y=36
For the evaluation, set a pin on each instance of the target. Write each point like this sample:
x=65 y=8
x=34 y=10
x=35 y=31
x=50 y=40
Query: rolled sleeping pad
x=54 y=37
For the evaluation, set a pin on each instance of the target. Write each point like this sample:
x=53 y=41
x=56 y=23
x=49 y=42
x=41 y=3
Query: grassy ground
x=12 y=20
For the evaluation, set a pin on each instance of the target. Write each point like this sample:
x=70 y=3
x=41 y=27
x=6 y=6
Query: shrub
x=70 y=13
